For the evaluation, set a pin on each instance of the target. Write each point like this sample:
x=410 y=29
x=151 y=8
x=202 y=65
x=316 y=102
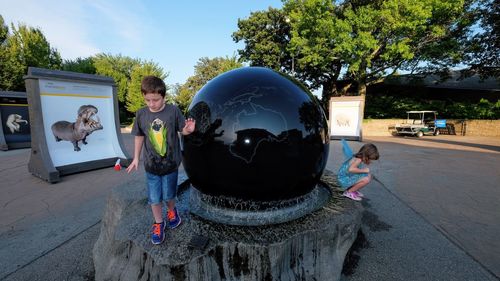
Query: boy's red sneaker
x=173 y=218
x=158 y=233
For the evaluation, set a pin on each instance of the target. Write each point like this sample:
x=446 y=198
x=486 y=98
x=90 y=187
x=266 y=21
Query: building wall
x=385 y=127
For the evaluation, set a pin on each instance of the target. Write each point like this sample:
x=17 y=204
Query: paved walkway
x=433 y=215
x=453 y=182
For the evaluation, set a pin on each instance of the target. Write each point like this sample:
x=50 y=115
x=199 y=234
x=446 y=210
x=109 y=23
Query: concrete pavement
x=432 y=216
x=453 y=182
x=38 y=217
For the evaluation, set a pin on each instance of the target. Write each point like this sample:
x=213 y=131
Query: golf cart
x=419 y=123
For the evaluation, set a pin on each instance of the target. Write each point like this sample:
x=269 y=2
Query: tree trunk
x=362 y=92
x=344 y=89
x=362 y=88
x=329 y=90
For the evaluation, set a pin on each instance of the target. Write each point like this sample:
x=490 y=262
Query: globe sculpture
x=260 y=137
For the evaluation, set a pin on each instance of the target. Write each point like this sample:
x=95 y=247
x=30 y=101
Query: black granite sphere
x=259 y=136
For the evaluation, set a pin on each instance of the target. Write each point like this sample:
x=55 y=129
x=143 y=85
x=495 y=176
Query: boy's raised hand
x=189 y=126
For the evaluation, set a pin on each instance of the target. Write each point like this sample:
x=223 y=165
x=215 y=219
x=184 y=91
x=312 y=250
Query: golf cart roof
x=421 y=111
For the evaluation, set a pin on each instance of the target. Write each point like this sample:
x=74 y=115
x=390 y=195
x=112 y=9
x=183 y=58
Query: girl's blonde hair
x=367 y=153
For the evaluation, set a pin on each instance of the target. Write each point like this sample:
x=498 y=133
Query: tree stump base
x=309 y=248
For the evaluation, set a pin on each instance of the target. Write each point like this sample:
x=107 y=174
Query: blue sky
x=174 y=34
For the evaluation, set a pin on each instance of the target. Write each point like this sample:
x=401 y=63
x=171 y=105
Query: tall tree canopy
x=361 y=40
x=81 y=65
x=266 y=37
x=483 y=48
x=134 y=98
x=4 y=30
x=127 y=73
x=313 y=42
x=205 y=70
x=392 y=34
x=119 y=68
x=24 y=47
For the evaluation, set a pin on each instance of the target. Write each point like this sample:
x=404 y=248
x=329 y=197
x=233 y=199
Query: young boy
x=156 y=126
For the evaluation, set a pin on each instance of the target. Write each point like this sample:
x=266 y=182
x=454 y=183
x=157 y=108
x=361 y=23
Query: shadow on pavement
x=476 y=145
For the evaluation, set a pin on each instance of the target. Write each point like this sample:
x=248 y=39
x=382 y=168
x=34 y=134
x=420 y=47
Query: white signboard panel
x=346 y=116
x=65 y=102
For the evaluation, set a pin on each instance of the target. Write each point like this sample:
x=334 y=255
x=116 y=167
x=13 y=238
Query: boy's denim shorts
x=161 y=188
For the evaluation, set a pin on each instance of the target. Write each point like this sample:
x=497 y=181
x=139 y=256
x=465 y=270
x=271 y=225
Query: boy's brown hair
x=153 y=84
x=367 y=153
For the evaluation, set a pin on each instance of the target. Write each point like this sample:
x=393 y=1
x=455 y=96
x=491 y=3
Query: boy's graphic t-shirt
x=158 y=136
x=162 y=153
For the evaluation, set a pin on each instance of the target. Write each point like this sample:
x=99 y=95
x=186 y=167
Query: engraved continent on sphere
x=260 y=136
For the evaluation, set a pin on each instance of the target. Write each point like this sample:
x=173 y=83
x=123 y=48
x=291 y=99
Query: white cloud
x=122 y=18
x=62 y=24
x=80 y=28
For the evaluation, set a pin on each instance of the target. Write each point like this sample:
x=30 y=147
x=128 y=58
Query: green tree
x=375 y=38
x=363 y=40
x=482 y=47
x=134 y=98
x=205 y=70
x=313 y=44
x=81 y=65
x=25 y=47
x=266 y=35
x=182 y=96
x=119 y=68
x=127 y=73
x=4 y=30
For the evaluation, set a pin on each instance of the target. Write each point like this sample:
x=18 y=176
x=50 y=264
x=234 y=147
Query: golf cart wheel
x=436 y=132
x=420 y=134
